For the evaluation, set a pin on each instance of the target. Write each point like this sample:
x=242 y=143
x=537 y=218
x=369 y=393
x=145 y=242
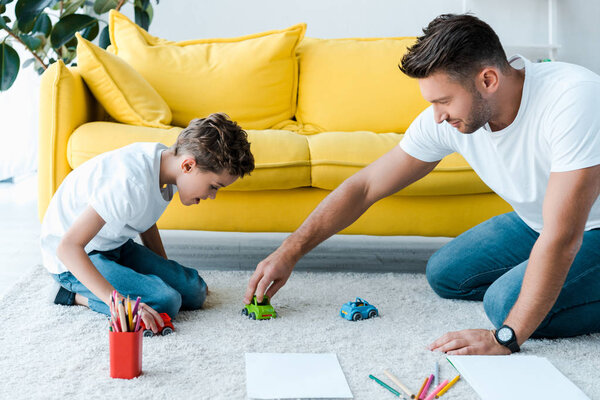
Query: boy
x=87 y=232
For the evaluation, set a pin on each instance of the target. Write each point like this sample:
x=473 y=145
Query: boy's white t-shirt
x=122 y=186
x=557 y=129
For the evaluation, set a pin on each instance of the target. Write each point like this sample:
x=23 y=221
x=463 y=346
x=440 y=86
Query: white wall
x=517 y=22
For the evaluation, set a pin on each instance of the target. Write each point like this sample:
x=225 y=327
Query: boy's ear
x=188 y=165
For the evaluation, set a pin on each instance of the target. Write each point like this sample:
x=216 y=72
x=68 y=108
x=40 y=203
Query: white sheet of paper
x=295 y=375
x=515 y=377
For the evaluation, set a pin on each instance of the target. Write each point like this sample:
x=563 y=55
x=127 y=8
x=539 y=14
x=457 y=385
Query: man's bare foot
x=80 y=300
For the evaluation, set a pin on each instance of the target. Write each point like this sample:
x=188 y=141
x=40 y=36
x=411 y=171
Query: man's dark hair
x=459 y=45
x=217 y=144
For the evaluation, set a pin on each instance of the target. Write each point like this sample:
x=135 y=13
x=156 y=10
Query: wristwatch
x=505 y=335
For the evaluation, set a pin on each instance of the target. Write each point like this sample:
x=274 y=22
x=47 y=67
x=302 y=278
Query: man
x=532 y=133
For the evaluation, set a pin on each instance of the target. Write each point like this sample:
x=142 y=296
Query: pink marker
x=436 y=390
x=426 y=388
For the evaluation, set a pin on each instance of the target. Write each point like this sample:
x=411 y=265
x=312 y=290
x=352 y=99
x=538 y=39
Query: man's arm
x=387 y=175
x=151 y=239
x=567 y=204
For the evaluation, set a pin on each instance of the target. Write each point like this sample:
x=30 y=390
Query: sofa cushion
x=121 y=90
x=281 y=157
x=355 y=84
x=251 y=78
x=335 y=156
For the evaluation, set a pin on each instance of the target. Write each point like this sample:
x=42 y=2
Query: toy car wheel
x=252 y=316
x=372 y=313
x=166 y=331
x=148 y=333
x=356 y=316
x=245 y=311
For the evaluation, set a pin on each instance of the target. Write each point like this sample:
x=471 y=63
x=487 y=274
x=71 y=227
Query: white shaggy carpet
x=55 y=352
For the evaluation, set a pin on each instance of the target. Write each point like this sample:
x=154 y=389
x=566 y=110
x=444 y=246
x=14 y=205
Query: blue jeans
x=135 y=270
x=488 y=263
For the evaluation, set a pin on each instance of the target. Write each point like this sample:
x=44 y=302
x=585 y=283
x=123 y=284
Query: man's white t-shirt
x=122 y=186
x=557 y=129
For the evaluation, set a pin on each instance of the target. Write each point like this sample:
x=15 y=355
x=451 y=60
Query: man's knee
x=438 y=273
x=498 y=301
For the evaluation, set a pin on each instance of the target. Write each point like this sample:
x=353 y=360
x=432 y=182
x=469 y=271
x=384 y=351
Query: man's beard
x=480 y=114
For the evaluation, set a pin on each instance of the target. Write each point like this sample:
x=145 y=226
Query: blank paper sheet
x=295 y=376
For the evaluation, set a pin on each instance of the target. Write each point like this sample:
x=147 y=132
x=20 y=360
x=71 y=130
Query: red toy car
x=166 y=329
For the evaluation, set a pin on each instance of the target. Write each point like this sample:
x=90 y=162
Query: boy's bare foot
x=80 y=300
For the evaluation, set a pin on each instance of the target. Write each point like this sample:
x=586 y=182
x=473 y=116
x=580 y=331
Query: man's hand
x=469 y=342
x=270 y=275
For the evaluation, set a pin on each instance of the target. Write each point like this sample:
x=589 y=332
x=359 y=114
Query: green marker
x=388 y=387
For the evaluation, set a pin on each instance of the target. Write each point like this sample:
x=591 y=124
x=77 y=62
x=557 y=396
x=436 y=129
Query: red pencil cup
x=125 y=354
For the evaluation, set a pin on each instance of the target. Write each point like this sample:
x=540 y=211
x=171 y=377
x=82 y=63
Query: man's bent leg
x=577 y=309
x=465 y=267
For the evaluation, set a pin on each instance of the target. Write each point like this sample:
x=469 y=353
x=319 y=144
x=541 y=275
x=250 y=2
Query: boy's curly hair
x=217 y=144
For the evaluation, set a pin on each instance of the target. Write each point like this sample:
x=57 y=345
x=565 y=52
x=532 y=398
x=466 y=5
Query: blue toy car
x=357 y=310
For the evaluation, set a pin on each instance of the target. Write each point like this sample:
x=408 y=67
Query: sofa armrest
x=65 y=104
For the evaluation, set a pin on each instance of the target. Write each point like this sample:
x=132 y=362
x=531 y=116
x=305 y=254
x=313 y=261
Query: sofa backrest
x=355 y=85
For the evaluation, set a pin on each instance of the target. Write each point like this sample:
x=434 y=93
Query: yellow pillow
x=122 y=91
x=355 y=84
x=252 y=78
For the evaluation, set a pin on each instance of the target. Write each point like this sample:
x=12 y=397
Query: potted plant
x=46 y=30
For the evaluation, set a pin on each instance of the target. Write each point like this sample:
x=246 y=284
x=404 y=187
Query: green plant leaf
x=2 y=8
x=32 y=42
x=104 y=40
x=142 y=18
x=43 y=25
x=9 y=66
x=3 y=22
x=65 y=29
x=27 y=11
x=104 y=6
x=91 y=32
x=70 y=7
x=5 y=1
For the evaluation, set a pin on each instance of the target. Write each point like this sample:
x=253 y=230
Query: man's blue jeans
x=488 y=263
x=135 y=270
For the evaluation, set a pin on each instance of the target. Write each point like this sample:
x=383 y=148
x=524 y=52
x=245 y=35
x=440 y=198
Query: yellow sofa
x=343 y=104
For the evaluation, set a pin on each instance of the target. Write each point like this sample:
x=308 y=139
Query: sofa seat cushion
x=281 y=157
x=335 y=156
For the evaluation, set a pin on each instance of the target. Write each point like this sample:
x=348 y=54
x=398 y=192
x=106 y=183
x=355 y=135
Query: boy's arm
x=151 y=239
x=71 y=251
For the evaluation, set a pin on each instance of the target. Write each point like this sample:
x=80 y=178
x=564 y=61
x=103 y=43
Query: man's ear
x=488 y=80
x=188 y=165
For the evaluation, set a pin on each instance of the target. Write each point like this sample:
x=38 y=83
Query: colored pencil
x=400 y=384
x=452 y=382
x=436 y=390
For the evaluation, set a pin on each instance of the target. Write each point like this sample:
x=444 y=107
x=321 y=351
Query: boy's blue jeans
x=135 y=270
x=488 y=263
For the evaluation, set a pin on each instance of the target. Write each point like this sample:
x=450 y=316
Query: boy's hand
x=151 y=317
x=270 y=275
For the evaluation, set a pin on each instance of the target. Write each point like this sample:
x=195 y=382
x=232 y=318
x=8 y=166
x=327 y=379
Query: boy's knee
x=195 y=294
x=168 y=301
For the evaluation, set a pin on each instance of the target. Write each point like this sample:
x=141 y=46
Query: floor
x=20 y=229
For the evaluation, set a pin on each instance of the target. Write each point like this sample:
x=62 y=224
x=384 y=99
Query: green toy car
x=262 y=310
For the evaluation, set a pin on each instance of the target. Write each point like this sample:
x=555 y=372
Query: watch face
x=504 y=334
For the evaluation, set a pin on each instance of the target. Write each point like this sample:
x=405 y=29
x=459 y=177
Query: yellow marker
x=129 y=316
x=452 y=382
